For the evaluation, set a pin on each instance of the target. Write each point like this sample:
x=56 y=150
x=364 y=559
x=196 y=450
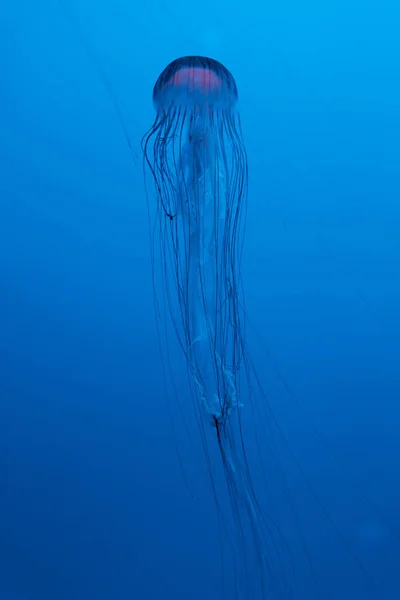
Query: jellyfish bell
x=195 y=81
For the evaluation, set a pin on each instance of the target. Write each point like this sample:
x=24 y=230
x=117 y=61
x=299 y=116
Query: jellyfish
x=200 y=171
x=197 y=158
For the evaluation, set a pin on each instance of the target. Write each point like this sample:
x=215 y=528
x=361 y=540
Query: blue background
x=93 y=503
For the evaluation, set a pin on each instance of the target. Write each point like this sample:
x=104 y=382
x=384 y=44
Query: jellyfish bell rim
x=195 y=81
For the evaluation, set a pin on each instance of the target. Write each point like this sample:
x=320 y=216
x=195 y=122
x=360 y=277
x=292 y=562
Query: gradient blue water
x=93 y=503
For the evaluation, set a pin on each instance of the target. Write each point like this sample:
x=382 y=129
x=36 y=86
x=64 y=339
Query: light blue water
x=93 y=501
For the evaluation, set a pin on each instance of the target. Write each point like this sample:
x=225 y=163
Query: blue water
x=93 y=500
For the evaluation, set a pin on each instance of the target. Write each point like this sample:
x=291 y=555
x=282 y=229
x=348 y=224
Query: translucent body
x=203 y=219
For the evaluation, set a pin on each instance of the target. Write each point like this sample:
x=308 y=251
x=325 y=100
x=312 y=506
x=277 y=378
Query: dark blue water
x=93 y=500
